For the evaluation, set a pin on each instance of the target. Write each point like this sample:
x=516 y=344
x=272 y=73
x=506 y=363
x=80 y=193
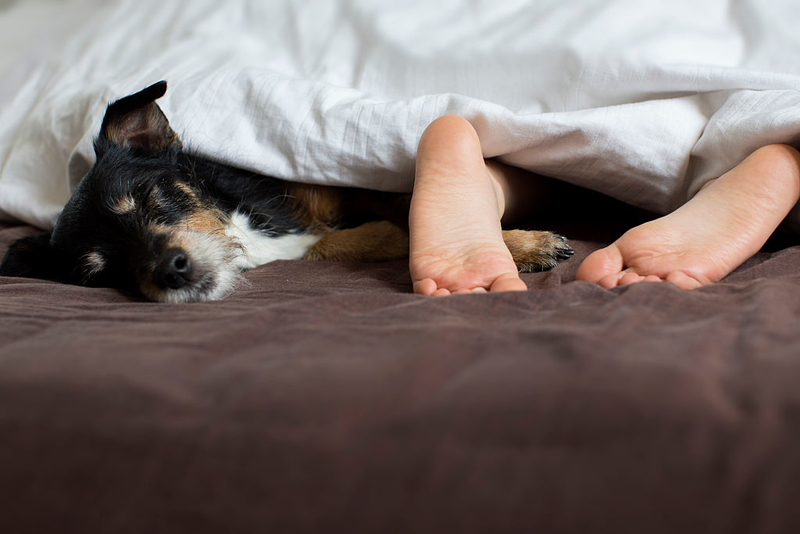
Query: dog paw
x=535 y=251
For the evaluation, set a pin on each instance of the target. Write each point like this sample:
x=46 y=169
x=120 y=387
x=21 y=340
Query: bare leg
x=728 y=221
x=456 y=244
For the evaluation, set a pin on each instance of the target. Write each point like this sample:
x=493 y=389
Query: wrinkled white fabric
x=644 y=100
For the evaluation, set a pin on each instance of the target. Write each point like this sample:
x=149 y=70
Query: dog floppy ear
x=136 y=121
x=31 y=257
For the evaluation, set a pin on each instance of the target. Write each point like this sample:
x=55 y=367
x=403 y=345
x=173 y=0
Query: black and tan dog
x=156 y=219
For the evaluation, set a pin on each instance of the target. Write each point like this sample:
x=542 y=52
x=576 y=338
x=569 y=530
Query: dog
x=156 y=219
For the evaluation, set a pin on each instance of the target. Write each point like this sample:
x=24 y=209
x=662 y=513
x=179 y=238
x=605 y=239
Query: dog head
x=138 y=220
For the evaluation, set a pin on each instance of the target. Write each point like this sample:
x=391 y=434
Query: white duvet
x=643 y=100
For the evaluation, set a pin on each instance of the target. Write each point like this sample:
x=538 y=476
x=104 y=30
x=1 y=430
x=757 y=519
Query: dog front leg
x=535 y=251
x=371 y=242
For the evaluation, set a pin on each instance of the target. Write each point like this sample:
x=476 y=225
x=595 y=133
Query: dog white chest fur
x=258 y=249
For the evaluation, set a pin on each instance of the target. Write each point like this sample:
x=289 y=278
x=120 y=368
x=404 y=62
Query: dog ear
x=31 y=257
x=136 y=121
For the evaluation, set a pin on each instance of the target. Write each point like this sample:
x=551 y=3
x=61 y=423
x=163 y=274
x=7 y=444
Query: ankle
x=499 y=186
x=781 y=166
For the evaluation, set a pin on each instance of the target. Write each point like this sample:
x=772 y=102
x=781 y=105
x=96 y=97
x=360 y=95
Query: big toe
x=601 y=264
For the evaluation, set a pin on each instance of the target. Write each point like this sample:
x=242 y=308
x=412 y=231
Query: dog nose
x=174 y=270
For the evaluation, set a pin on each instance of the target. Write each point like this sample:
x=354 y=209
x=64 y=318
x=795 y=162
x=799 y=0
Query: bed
x=326 y=397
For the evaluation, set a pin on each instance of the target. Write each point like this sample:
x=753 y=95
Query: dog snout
x=174 y=269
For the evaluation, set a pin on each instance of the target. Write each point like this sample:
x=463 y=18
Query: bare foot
x=456 y=243
x=724 y=224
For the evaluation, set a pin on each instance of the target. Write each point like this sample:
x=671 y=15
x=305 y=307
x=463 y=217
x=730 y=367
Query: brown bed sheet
x=327 y=398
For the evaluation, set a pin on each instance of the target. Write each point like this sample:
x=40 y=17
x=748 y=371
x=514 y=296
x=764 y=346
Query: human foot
x=456 y=243
x=708 y=237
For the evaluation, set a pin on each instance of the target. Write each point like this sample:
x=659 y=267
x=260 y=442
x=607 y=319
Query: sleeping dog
x=155 y=219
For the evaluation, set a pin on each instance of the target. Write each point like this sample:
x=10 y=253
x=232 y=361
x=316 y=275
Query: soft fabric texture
x=327 y=398
x=644 y=101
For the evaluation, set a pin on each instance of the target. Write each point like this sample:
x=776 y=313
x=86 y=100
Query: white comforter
x=644 y=100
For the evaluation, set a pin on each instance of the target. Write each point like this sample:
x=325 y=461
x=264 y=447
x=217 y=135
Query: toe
x=426 y=287
x=683 y=280
x=629 y=278
x=508 y=282
x=441 y=292
x=600 y=265
x=609 y=280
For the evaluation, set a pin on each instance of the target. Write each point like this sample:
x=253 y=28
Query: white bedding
x=644 y=100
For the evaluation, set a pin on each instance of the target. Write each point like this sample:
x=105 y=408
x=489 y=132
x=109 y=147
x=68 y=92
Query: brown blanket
x=328 y=398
